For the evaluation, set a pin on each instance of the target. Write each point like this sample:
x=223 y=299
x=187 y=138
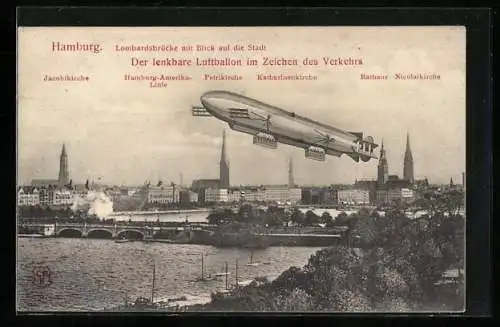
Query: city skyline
x=224 y=170
x=128 y=134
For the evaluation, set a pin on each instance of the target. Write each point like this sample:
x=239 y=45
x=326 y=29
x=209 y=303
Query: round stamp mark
x=42 y=275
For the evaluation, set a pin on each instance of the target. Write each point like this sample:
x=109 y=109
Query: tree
x=367 y=231
x=272 y=219
x=214 y=218
x=397 y=270
x=326 y=218
x=245 y=213
x=297 y=217
x=295 y=301
x=311 y=218
x=290 y=279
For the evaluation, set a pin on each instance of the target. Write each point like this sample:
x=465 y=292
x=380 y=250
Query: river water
x=93 y=274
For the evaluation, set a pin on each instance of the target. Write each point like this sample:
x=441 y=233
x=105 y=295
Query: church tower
x=383 y=169
x=224 y=165
x=63 y=167
x=408 y=162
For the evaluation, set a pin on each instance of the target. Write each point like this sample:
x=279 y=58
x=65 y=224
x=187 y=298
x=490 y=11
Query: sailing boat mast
x=154 y=280
x=226 y=276
x=202 y=269
x=236 y=272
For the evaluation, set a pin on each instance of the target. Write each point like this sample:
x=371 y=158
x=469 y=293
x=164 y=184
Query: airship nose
x=206 y=99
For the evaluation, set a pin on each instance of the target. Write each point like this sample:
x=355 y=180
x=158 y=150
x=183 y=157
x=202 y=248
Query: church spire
x=224 y=164
x=382 y=151
x=63 y=167
x=223 y=151
x=408 y=149
x=408 y=161
x=291 y=183
x=382 y=169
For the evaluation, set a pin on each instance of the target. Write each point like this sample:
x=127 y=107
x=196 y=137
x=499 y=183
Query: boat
x=158 y=241
x=267 y=262
x=203 y=278
x=251 y=263
x=223 y=274
x=123 y=240
x=243 y=282
x=31 y=235
x=143 y=303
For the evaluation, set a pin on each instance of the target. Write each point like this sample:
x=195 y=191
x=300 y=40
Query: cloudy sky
x=126 y=132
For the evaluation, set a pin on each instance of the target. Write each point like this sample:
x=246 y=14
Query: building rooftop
x=44 y=182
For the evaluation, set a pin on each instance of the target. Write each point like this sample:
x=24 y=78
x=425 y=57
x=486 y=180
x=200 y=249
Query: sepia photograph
x=241 y=169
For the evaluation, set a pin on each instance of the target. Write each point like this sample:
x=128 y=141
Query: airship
x=270 y=125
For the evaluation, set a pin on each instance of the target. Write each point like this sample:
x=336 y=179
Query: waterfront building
x=193 y=197
x=282 y=194
x=46 y=196
x=395 y=195
x=216 y=195
x=62 y=197
x=254 y=194
x=334 y=195
x=370 y=185
x=397 y=183
x=311 y=195
x=353 y=196
x=200 y=184
x=271 y=193
x=187 y=197
x=162 y=194
x=248 y=194
x=294 y=195
x=235 y=195
x=28 y=196
x=44 y=182
x=400 y=195
x=382 y=196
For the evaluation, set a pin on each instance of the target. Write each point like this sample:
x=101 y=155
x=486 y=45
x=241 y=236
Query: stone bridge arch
x=100 y=233
x=130 y=234
x=70 y=232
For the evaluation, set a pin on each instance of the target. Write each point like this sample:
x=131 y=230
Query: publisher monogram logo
x=42 y=275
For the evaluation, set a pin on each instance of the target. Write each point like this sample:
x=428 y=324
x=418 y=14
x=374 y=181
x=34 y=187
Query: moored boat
x=123 y=240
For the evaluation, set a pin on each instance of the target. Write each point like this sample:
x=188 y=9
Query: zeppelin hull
x=270 y=125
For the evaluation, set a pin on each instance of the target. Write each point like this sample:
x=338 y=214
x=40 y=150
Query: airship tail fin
x=354 y=157
x=359 y=135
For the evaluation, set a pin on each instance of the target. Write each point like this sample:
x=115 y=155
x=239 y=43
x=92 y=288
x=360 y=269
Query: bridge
x=117 y=231
x=157 y=212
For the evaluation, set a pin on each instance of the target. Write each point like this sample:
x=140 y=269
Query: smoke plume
x=94 y=203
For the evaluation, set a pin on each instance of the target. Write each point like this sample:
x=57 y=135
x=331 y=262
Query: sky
x=125 y=132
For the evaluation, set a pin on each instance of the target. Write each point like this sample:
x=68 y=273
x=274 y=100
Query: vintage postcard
x=281 y=169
